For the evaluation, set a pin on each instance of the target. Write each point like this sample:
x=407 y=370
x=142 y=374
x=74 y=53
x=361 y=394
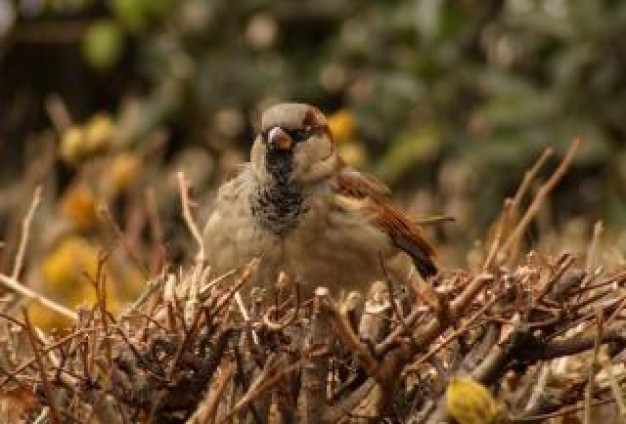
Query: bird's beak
x=277 y=138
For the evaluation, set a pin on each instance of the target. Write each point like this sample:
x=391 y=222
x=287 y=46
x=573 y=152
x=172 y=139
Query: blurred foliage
x=448 y=101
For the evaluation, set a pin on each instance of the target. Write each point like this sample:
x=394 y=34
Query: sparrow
x=300 y=209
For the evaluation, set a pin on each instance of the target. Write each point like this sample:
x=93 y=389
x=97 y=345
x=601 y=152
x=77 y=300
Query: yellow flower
x=342 y=125
x=78 y=142
x=72 y=144
x=63 y=276
x=99 y=132
x=66 y=273
x=46 y=319
x=79 y=206
x=124 y=171
x=66 y=264
x=469 y=402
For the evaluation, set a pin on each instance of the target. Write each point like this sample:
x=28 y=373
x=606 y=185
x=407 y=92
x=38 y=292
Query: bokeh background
x=447 y=101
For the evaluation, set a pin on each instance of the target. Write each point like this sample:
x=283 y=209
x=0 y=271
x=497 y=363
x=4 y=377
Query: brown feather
x=404 y=234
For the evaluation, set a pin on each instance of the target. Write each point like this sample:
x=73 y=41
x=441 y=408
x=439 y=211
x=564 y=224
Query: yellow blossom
x=71 y=144
x=78 y=204
x=342 y=125
x=469 y=402
x=65 y=266
x=124 y=170
x=99 y=132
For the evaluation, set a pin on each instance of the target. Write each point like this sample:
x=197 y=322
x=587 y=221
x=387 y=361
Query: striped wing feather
x=404 y=234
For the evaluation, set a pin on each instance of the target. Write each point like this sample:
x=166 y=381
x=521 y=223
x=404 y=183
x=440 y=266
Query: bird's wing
x=373 y=197
x=357 y=184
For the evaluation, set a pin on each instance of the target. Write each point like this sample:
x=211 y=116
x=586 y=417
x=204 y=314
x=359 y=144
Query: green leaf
x=103 y=44
x=133 y=14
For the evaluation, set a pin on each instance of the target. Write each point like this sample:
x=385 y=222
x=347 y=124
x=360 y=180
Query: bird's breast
x=278 y=204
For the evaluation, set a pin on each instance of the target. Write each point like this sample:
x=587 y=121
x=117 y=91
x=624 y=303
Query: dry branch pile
x=547 y=335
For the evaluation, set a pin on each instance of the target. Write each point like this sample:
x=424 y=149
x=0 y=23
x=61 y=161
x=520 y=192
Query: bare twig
x=319 y=344
x=392 y=297
x=273 y=373
x=152 y=286
x=540 y=418
x=347 y=335
x=456 y=333
x=618 y=394
x=26 y=223
x=495 y=244
x=207 y=411
x=593 y=365
x=188 y=217
x=529 y=177
x=109 y=220
x=54 y=413
x=245 y=315
x=437 y=219
x=30 y=294
x=541 y=195
x=598 y=228
x=58 y=113
x=285 y=322
x=510 y=213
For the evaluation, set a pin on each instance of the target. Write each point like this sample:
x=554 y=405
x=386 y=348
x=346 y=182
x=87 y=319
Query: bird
x=299 y=208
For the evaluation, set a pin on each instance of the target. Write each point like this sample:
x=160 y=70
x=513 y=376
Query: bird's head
x=294 y=144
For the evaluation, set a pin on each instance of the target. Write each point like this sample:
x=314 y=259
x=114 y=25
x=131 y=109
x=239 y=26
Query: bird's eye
x=297 y=136
x=301 y=134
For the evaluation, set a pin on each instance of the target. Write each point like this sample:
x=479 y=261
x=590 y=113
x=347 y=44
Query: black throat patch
x=279 y=204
